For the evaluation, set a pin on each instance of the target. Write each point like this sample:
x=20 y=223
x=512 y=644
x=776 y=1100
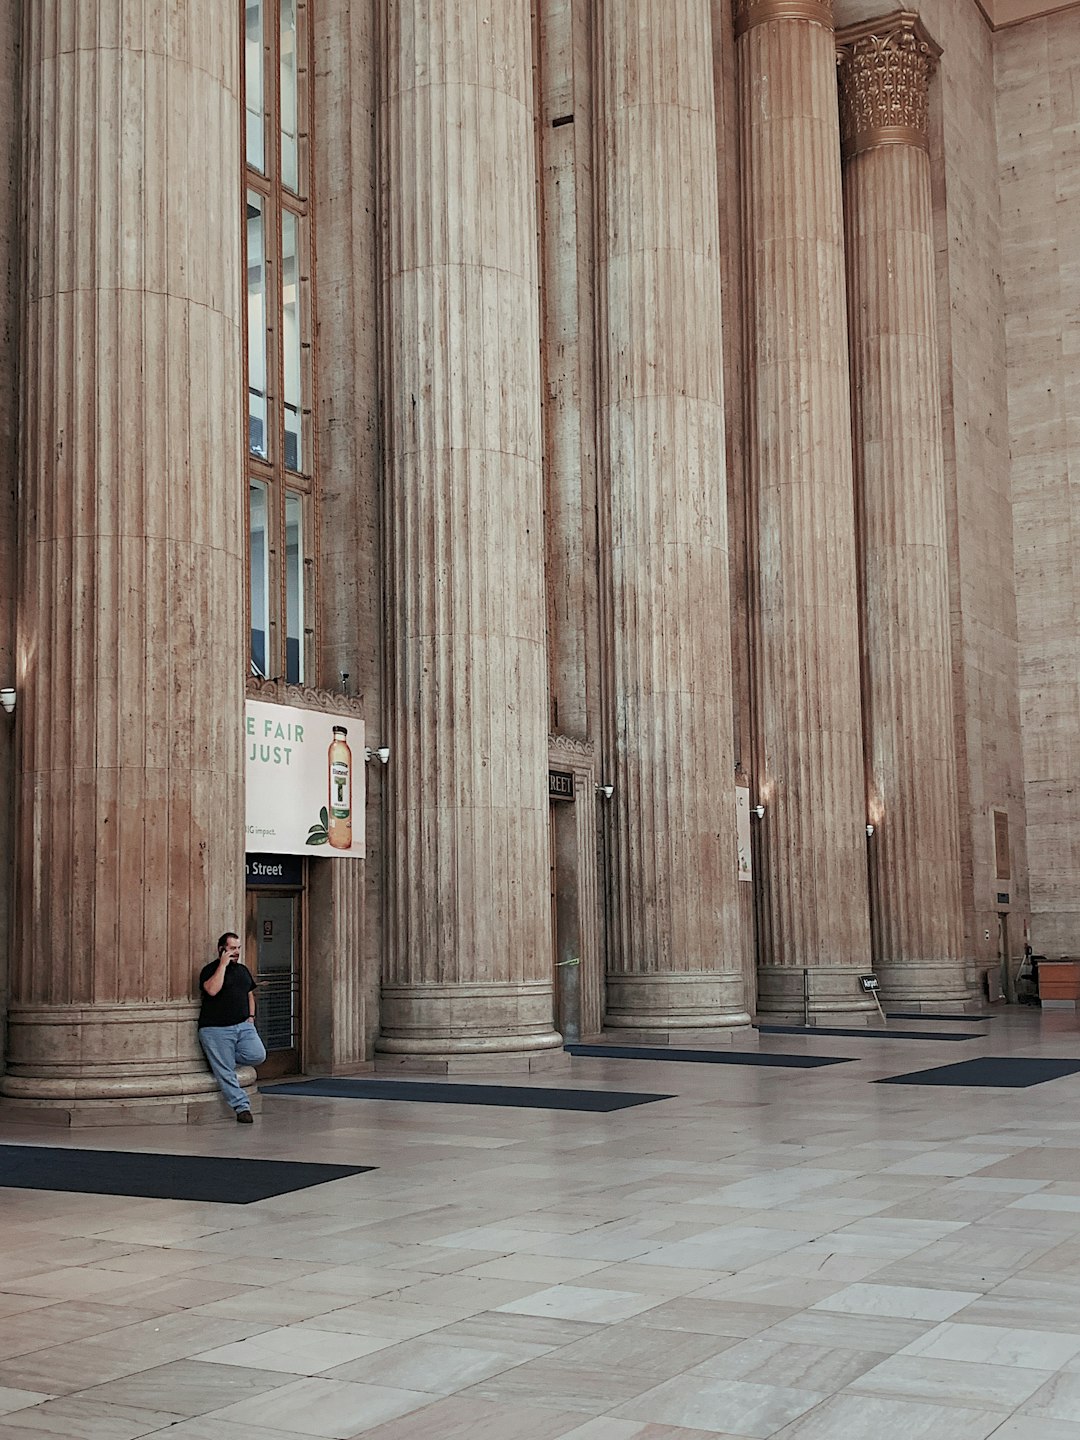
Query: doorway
x=273 y=956
x=565 y=922
x=1008 y=980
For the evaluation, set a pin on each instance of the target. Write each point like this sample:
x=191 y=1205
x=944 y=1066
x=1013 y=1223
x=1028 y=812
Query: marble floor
x=790 y=1253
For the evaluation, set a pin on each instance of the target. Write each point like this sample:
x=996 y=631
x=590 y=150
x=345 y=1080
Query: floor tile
x=546 y=1270
x=952 y=1382
x=1027 y=1427
x=636 y=1348
x=204 y=1427
x=328 y=1409
x=294 y=1350
x=458 y=1418
x=712 y=1403
x=426 y=1365
x=762 y=1361
x=997 y=1345
x=713 y=1317
x=899 y=1301
x=187 y=1387
x=11 y=1400
x=861 y=1417
x=1059 y=1398
x=577 y=1302
x=557 y=1383
x=75 y=1417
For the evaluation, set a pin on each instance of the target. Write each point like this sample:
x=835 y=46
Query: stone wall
x=1038 y=132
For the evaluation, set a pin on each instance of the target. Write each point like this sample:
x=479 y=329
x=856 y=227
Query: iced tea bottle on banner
x=339 y=830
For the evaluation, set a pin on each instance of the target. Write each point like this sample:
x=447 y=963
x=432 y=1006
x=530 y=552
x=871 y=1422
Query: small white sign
x=304 y=773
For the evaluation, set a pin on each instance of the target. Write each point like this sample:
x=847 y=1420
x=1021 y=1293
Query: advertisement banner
x=305 y=782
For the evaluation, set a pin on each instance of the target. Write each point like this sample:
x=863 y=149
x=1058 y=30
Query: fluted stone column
x=676 y=957
x=813 y=934
x=345 y=901
x=916 y=919
x=469 y=958
x=131 y=630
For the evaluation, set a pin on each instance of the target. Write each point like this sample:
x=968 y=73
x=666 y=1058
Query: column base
x=468 y=1029
x=110 y=1065
x=814 y=995
x=500 y=1063
x=84 y=1112
x=681 y=1039
x=930 y=984
x=670 y=1004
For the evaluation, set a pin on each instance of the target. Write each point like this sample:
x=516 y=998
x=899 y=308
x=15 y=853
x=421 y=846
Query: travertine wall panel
x=971 y=337
x=1038 y=131
x=567 y=253
x=565 y=139
x=350 y=533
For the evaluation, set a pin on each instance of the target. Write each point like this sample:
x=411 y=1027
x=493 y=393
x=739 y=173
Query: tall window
x=278 y=254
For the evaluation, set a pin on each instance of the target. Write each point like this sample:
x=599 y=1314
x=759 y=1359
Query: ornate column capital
x=885 y=67
x=748 y=13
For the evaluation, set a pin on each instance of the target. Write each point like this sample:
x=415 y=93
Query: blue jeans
x=226 y=1047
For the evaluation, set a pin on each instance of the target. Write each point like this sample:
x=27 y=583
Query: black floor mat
x=223 y=1180
x=1001 y=1072
x=707 y=1057
x=519 y=1097
x=860 y=1032
x=958 y=1019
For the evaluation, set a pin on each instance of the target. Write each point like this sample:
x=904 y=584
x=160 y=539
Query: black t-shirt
x=230 y=1005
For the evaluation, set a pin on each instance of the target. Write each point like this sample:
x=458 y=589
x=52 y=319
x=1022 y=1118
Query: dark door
x=274 y=942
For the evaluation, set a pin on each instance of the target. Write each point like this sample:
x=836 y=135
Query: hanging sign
x=304 y=773
x=560 y=785
x=265 y=871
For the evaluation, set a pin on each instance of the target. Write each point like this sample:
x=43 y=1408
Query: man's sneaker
x=245 y=1117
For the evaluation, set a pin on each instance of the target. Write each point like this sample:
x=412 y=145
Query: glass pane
x=290 y=163
x=277 y=970
x=291 y=336
x=294 y=588
x=258 y=431
x=253 y=83
x=259 y=550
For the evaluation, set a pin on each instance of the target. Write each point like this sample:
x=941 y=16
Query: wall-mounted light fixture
x=759 y=811
x=383 y=754
x=869 y=830
x=606 y=791
x=7 y=699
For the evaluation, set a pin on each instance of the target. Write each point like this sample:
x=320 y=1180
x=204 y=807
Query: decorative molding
x=567 y=745
x=1004 y=14
x=749 y=13
x=306 y=697
x=885 y=67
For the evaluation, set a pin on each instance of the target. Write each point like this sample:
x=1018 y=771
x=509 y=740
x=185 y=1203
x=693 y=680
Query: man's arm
x=213 y=983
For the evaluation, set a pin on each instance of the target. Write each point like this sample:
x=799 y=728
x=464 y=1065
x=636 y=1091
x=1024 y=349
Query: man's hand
x=213 y=983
